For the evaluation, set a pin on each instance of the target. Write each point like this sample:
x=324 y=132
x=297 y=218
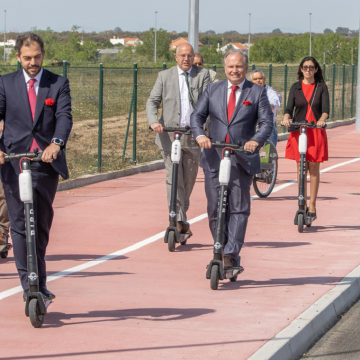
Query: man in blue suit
x=235 y=106
x=36 y=107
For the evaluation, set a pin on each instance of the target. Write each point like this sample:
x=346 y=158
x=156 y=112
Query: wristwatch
x=58 y=142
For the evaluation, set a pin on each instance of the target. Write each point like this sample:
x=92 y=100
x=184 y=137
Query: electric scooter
x=4 y=249
x=172 y=235
x=301 y=217
x=36 y=304
x=215 y=269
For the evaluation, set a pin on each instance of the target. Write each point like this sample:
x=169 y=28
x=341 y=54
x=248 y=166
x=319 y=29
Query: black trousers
x=238 y=209
x=45 y=181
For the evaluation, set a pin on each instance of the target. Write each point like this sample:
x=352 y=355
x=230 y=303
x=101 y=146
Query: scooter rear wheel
x=214 y=279
x=36 y=318
x=4 y=254
x=300 y=223
x=171 y=241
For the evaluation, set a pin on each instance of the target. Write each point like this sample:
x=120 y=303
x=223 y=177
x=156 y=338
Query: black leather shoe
x=47 y=294
x=228 y=262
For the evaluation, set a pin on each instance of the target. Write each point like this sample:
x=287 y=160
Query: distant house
x=182 y=40
x=8 y=43
x=126 y=41
x=235 y=46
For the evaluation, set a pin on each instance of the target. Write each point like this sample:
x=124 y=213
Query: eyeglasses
x=185 y=56
x=311 y=67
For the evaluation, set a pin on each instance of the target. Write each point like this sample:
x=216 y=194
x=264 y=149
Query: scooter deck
x=234 y=271
x=4 y=248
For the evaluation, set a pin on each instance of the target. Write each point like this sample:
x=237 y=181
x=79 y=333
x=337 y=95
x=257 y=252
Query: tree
x=342 y=31
x=163 y=41
x=328 y=31
x=210 y=54
x=277 y=31
x=210 y=32
x=117 y=30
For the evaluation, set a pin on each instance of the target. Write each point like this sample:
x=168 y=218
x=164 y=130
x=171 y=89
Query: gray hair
x=236 y=51
x=256 y=71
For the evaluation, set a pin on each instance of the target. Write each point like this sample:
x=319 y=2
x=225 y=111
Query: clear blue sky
x=217 y=15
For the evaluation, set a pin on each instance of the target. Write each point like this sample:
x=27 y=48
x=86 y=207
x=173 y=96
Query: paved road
x=342 y=341
x=122 y=295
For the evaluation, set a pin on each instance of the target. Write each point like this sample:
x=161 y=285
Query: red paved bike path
x=152 y=304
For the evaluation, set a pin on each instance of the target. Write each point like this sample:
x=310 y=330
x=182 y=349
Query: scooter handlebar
x=235 y=147
x=186 y=130
x=34 y=156
x=295 y=126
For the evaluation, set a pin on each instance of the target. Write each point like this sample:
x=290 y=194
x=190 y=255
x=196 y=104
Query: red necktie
x=231 y=108
x=32 y=102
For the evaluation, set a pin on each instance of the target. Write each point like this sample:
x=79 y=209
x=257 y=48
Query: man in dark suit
x=235 y=106
x=36 y=107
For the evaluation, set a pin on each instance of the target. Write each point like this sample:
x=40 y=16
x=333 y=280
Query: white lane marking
x=143 y=243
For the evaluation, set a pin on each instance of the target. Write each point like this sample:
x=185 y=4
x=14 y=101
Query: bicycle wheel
x=265 y=181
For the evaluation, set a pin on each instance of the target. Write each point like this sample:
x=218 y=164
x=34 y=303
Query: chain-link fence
x=110 y=128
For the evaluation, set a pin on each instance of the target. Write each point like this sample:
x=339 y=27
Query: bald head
x=184 y=56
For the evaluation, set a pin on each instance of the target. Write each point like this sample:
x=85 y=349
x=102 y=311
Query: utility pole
x=357 y=124
x=193 y=30
x=5 y=37
x=249 y=36
x=310 y=33
x=155 y=37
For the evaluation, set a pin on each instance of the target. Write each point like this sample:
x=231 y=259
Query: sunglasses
x=311 y=67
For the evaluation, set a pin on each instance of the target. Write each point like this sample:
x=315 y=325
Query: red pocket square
x=49 y=102
x=247 y=102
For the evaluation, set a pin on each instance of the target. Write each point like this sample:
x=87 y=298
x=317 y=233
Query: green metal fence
x=110 y=129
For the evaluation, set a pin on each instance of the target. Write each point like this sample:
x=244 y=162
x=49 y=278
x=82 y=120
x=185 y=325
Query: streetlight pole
x=249 y=36
x=193 y=27
x=5 y=36
x=155 y=37
x=310 y=33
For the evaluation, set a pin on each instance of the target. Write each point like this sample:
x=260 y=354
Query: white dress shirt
x=273 y=98
x=185 y=106
x=37 y=82
x=237 y=92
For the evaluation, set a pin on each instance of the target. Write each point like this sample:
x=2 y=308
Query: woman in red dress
x=310 y=98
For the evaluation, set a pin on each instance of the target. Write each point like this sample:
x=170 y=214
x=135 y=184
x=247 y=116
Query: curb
x=292 y=342
x=93 y=179
x=329 y=125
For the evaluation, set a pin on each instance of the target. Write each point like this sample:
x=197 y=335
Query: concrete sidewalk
x=144 y=302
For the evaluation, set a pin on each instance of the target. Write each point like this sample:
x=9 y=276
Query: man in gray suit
x=235 y=107
x=179 y=89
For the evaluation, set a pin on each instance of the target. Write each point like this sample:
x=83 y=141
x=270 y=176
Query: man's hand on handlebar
x=50 y=153
x=157 y=127
x=204 y=142
x=251 y=146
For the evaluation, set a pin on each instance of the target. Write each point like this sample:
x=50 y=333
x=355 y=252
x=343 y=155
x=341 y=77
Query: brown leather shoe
x=2 y=239
x=186 y=229
x=228 y=262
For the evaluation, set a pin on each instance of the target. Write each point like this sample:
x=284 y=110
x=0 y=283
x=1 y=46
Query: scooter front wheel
x=171 y=241
x=214 y=279
x=300 y=223
x=36 y=318
x=4 y=254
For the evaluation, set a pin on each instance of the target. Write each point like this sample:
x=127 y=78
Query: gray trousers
x=4 y=216
x=238 y=209
x=188 y=169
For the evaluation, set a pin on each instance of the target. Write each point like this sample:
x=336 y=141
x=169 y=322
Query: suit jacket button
x=28 y=148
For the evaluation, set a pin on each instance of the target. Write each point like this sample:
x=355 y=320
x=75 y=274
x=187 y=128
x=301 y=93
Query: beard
x=32 y=71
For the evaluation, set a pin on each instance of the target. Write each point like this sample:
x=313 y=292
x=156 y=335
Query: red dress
x=316 y=138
